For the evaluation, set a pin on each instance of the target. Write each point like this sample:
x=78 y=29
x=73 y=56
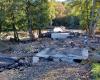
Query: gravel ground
x=49 y=71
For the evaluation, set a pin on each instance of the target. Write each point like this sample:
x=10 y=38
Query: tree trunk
x=29 y=20
x=16 y=38
x=94 y=28
x=39 y=33
x=30 y=28
x=1 y=19
x=31 y=34
x=91 y=27
x=87 y=3
x=0 y=27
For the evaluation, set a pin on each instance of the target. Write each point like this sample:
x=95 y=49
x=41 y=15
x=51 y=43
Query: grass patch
x=96 y=71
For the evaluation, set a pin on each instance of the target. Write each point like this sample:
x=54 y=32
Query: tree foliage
x=27 y=15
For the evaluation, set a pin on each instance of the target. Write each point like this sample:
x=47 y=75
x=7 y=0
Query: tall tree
x=52 y=10
x=41 y=14
x=11 y=15
x=29 y=18
x=2 y=14
x=91 y=27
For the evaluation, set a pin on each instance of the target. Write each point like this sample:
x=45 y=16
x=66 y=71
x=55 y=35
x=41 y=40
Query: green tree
x=29 y=18
x=12 y=14
x=2 y=15
x=41 y=17
x=52 y=10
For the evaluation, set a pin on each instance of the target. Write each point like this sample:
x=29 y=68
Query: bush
x=96 y=71
x=71 y=22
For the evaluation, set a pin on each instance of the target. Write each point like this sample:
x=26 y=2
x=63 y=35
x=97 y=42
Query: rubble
x=50 y=71
x=61 y=55
x=47 y=55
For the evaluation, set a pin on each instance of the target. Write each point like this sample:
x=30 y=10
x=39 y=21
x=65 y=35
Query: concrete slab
x=43 y=53
x=59 y=35
x=72 y=54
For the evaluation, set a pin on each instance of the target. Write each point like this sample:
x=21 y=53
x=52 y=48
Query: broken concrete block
x=59 y=55
x=67 y=59
x=35 y=60
x=59 y=35
x=43 y=53
x=56 y=60
x=85 y=53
